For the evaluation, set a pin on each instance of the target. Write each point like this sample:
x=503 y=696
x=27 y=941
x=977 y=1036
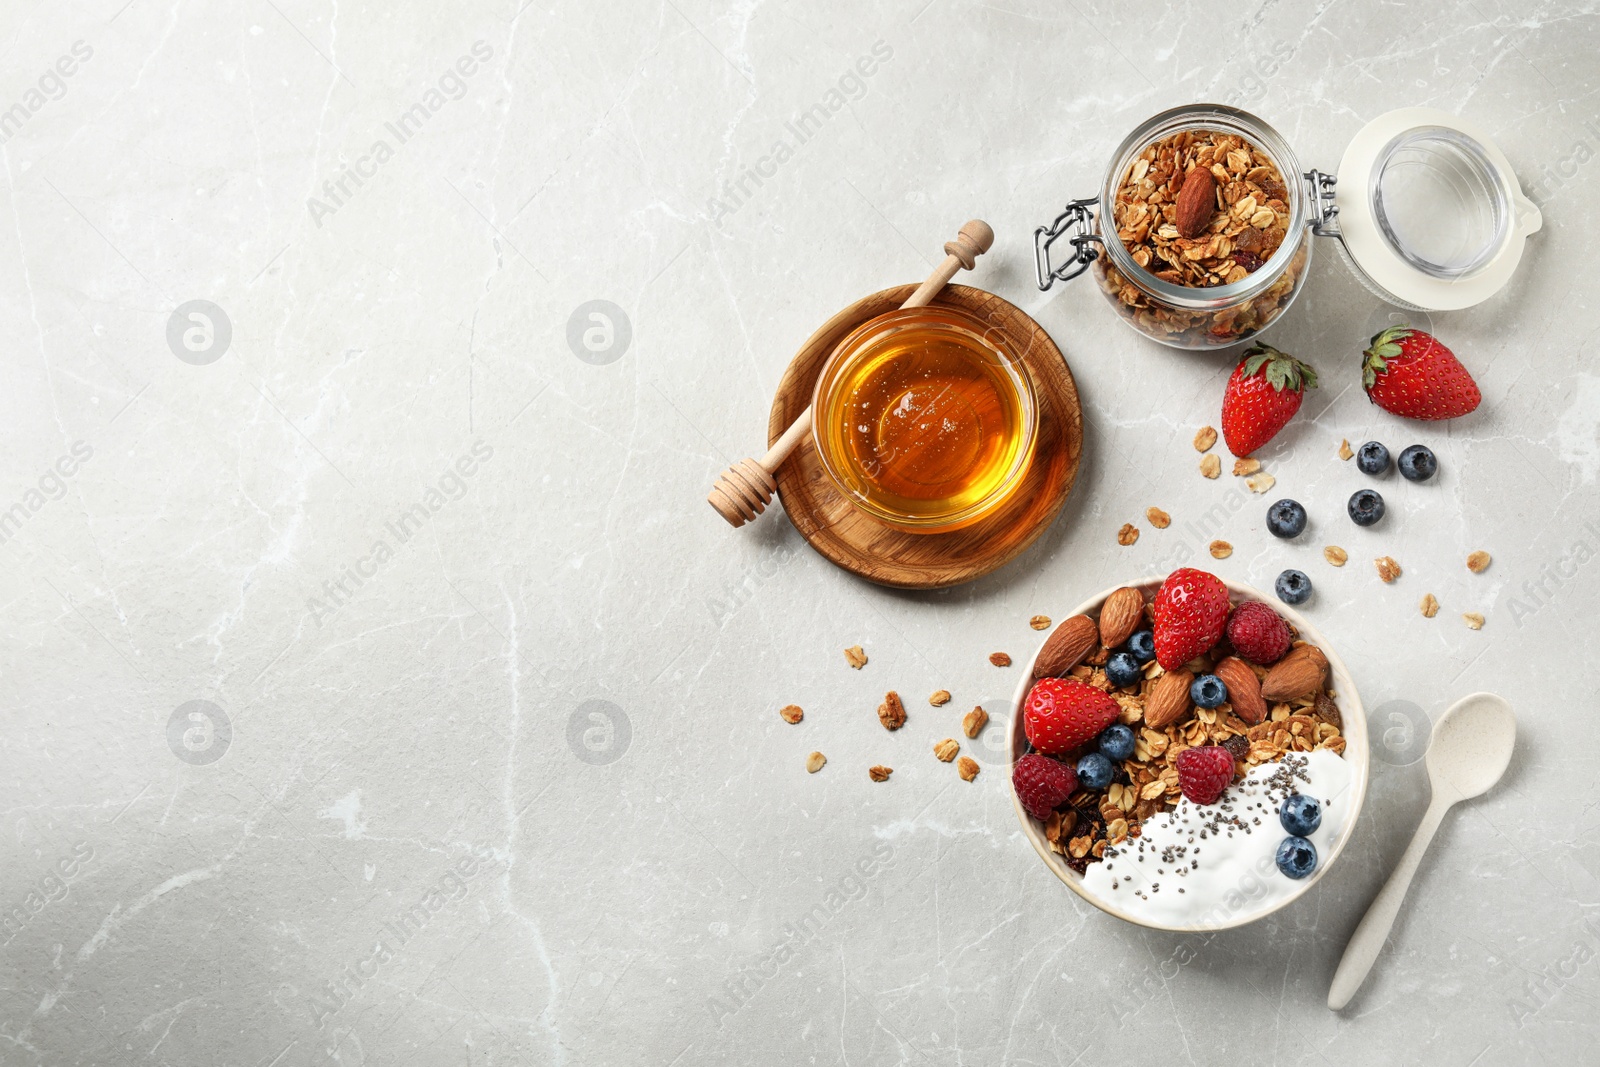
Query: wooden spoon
x=745 y=489
x=1467 y=753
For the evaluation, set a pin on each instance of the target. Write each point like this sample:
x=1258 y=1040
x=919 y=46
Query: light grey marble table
x=380 y=689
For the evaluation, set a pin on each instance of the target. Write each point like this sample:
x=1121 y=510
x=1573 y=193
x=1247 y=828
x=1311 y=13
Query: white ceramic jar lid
x=1430 y=210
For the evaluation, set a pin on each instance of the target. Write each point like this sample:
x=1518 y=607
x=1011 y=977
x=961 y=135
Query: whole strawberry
x=1262 y=396
x=1411 y=374
x=1042 y=784
x=1190 y=611
x=1258 y=633
x=1061 y=714
x=1203 y=773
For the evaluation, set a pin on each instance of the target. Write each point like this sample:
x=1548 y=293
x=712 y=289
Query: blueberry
x=1372 y=458
x=1116 y=742
x=1366 y=507
x=1286 y=518
x=1300 y=814
x=1297 y=857
x=1207 y=691
x=1294 y=587
x=1143 y=646
x=1095 y=771
x=1123 y=669
x=1418 y=463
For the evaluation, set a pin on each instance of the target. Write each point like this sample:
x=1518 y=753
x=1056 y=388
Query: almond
x=1120 y=616
x=1295 y=675
x=1197 y=202
x=1244 y=691
x=1168 y=699
x=1072 y=640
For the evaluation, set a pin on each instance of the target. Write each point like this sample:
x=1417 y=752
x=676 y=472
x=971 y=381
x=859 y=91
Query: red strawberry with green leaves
x=1262 y=396
x=1409 y=373
x=1189 y=613
x=1061 y=714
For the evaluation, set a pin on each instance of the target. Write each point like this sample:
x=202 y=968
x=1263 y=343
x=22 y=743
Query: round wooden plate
x=866 y=547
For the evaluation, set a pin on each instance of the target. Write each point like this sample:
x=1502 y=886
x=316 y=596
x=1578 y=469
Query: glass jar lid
x=1430 y=210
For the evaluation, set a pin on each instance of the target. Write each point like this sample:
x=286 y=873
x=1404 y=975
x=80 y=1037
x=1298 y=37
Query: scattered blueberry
x=1366 y=507
x=1372 y=458
x=1123 y=669
x=1294 y=587
x=1297 y=857
x=1207 y=691
x=1286 y=518
x=1300 y=814
x=1143 y=646
x=1116 y=742
x=1095 y=771
x=1418 y=463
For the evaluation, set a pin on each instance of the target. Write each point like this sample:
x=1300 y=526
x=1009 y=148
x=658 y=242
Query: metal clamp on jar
x=1426 y=210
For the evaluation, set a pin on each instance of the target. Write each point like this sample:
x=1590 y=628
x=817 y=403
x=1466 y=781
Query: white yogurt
x=1198 y=865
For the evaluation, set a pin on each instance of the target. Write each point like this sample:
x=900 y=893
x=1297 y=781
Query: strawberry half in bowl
x=1200 y=795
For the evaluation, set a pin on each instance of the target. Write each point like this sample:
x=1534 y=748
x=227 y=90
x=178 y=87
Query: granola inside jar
x=1225 y=277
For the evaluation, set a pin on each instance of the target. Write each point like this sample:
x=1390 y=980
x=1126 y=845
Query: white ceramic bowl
x=1355 y=754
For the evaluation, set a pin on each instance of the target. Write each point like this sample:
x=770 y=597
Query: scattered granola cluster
x=892 y=716
x=1227 y=228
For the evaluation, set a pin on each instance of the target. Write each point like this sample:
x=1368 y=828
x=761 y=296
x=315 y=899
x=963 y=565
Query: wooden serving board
x=866 y=547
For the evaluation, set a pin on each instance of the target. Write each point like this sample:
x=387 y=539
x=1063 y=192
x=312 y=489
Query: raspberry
x=1061 y=715
x=1258 y=633
x=1042 y=784
x=1203 y=773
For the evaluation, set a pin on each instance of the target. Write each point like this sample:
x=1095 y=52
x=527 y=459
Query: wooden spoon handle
x=744 y=490
x=1373 y=930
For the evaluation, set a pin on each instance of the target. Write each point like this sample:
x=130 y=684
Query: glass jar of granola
x=1200 y=236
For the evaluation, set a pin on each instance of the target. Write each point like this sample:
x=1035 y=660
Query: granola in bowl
x=1136 y=835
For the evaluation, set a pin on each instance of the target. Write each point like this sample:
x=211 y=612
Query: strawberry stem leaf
x=1384 y=347
x=1282 y=370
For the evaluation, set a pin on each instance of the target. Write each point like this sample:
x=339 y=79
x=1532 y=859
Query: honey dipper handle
x=745 y=489
x=788 y=442
x=972 y=241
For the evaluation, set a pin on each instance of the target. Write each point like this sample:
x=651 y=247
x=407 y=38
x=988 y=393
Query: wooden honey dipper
x=745 y=489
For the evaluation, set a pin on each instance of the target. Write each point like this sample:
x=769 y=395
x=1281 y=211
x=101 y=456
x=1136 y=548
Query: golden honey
x=922 y=421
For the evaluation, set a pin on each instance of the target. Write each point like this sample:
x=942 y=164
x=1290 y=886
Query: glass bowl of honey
x=924 y=420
